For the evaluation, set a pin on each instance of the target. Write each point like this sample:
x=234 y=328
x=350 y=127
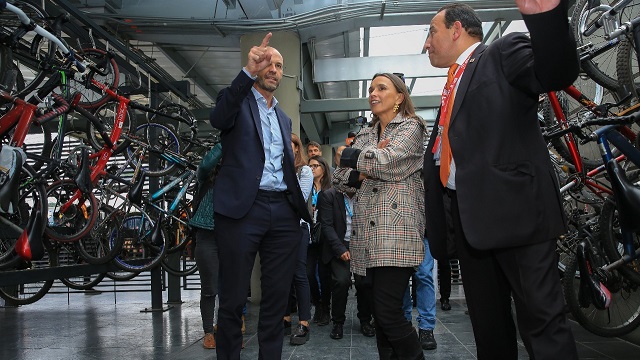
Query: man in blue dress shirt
x=258 y=202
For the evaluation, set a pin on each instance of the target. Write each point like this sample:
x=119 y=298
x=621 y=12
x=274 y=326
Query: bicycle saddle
x=9 y=194
x=83 y=176
x=591 y=290
x=29 y=245
x=627 y=197
x=135 y=193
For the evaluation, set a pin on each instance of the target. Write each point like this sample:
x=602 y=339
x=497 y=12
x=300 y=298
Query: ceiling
x=198 y=41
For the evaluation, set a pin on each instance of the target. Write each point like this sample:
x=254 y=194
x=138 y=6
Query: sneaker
x=367 y=329
x=337 y=332
x=209 y=341
x=287 y=327
x=445 y=305
x=427 y=340
x=300 y=335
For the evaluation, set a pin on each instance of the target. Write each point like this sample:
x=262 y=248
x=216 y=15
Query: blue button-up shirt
x=272 y=173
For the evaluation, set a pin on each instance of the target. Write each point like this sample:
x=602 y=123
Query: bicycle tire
x=121 y=275
x=163 y=140
x=602 y=68
x=91 y=96
x=28 y=293
x=186 y=129
x=95 y=248
x=67 y=256
x=76 y=221
x=138 y=253
x=611 y=240
x=179 y=231
x=31 y=196
x=622 y=316
x=186 y=264
x=107 y=113
x=627 y=68
x=32 y=51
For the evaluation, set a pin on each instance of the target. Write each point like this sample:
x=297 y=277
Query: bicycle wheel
x=139 y=252
x=183 y=263
x=95 y=248
x=601 y=68
x=121 y=275
x=612 y=241
x=32 y=53
x=77 y=219
x=158 y=137
x=186 y=129
x=28 y=293
x=107 y=113
x=622 y=316
x=30 y=198
x=67 y=256
x=103 y=69
x=582 y=219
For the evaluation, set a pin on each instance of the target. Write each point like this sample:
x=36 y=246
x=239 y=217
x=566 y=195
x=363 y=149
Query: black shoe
x=427 y=340
x=300 y=335
x=367 y=329
x=444 y=304
x=337 y=332
x=287 y=327
x=325 y=317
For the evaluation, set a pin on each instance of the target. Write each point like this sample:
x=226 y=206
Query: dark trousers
x=206 y=255
x=300 y=285
x=272 y=228
x=319 y=276
x=529 y=274
x=444 y=278
x=341 y=280
x=388 y=287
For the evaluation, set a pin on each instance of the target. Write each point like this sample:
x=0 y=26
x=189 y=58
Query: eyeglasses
x=315 y=165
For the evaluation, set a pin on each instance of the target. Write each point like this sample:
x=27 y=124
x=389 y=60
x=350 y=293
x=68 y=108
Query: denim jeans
x=425 y=293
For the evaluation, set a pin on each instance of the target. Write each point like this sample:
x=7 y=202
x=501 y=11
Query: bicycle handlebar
x=31 y=25
x=576 y=128
x=94 y=120
x=623 y=29
x=62 y=107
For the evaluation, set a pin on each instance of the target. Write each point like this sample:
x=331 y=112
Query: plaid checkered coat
x=388 y=215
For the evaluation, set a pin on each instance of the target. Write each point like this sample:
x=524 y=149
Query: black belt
x=272 y=194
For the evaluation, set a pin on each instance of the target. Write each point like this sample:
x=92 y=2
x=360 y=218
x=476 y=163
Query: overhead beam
x=361 y=68
x=190 y=71
x=360 y=104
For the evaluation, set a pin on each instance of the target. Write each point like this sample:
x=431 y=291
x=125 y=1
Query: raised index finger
x=265 y=41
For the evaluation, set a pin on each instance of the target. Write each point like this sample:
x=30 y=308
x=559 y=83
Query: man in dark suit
x=335 y=212
x=258 y=202
x=489 y=158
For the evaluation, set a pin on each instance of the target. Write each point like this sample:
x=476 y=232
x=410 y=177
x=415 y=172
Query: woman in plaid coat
x=384 y=165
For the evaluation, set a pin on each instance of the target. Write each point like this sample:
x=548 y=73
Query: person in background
x=300 y=285
x=313 y=149
x=336 y=213
x=258 y=202
x=318 y=271
x=383 y=168
x=487 y=156
x=206 y=249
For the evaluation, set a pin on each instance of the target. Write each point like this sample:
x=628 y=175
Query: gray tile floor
x=108 y=326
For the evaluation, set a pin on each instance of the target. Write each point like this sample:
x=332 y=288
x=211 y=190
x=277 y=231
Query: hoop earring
x=395 y=107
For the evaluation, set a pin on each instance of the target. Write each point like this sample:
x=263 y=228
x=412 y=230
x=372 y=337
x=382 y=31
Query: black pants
x=206 y=255
x=529 y=274
x=273 y=228
x=444 y=278
x=388 y=287
x=341 y=280
x=300 y=293
x=316 y=269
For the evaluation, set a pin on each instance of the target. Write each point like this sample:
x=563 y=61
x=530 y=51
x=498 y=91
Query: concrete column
x=288 y=44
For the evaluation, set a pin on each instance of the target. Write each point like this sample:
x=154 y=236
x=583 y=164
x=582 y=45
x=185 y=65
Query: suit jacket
x=506 y=188
x=236 y=115
x=332 y=215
